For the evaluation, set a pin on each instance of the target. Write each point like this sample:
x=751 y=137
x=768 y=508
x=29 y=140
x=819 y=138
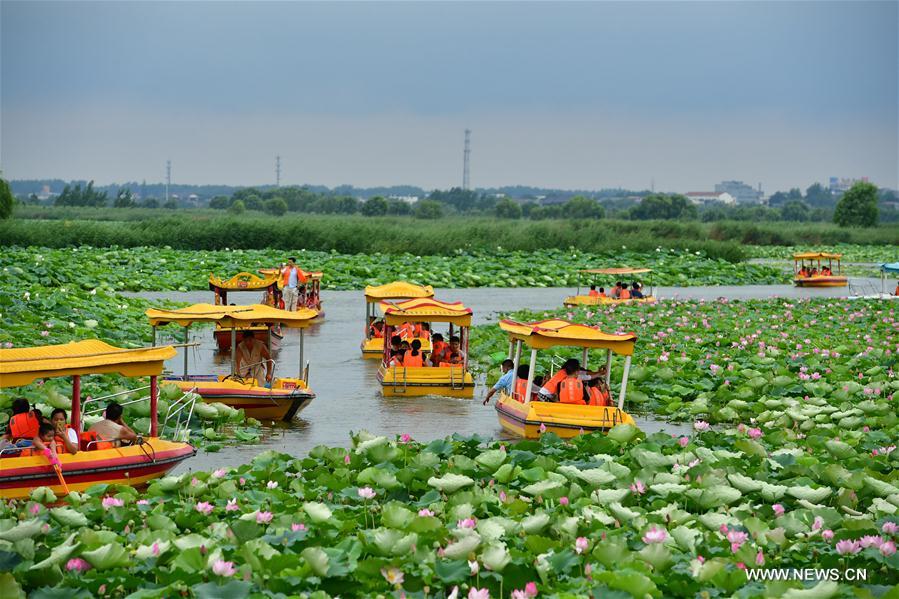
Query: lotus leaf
x=450 y=482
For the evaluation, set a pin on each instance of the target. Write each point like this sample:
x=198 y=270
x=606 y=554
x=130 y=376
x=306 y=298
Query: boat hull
x=565 y=420
x=286 y=399
x=586 y=300
x=373 y=349
x=820 y=281
x=223 y=336
x=421 y=381
x=132 y=465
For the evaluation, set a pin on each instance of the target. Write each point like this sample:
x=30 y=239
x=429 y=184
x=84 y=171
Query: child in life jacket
x=414 y=358
x=66 y=436
x=24 y=424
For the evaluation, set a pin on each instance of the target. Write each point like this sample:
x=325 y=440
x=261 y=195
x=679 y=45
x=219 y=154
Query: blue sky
x=574 y=95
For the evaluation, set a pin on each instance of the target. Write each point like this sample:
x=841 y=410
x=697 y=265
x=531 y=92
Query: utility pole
x=466 y=181
x=277 y=171
x=653 y=185
x=168 y=178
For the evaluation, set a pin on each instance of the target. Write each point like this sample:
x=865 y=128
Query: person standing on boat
x=504 y=382
x=253 y=359
x=291 y=278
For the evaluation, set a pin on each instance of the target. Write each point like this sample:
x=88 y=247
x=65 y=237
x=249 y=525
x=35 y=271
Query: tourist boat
x=287 y=395
x=449 y=381
x=245 y=281
x=373 y=347
x=528 y=418
x=817 y=280
x=135 y=465
x=311 y=298
x=591 y=276
x=869 y=290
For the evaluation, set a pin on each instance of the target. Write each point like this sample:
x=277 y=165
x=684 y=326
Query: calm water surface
x=348 y=395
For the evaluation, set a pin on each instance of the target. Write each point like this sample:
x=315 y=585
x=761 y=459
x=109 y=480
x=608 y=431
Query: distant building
x=741 y=192
x=711 y=197
x=840 y=186
x=45 y=193
x=407 y=199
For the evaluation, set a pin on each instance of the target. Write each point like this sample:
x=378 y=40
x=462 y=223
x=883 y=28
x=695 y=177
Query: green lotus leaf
x=622 y=513
x=395 y=515
x=536 y=523
x=718 y=496
x=69 y=517
x=22 y=530
x=491 y=459
x=192 y=540
x=59 y=554
x=608 y=496
x=591 y=476
x=744 y=483
x=450 y=482
x=43 y=495
x=461 y=548
x=808 y=493
x=155 y=549
x=665 y=489
x=317 y=559
x=108 y=556
x=549 y=488
x=317 y=512
x=622 y=433
x=496 y=557
x=822 y=590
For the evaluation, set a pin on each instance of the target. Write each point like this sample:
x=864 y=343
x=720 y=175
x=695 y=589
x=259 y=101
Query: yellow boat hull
x=373 y=349
x=586 y=300
x=420 y=381
x=821 y=281
x=287 y=397
x=565 y=420
x=134 y=465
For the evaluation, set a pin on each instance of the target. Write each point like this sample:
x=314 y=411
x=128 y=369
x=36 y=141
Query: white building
x=701 y=198
x=741 y=192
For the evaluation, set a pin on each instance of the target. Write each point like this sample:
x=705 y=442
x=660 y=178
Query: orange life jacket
x=24 y=426
x=593 y=293
x=416 y=330
x=437 y=350
x=625 y=294
x=411 y=360
x=285 y=275
x=571 y=390
x=597 y=397
x=376 y=332
x=60 y=442
x=88 y=437
x=552 y=385
x=521 y=387
x=406 y=331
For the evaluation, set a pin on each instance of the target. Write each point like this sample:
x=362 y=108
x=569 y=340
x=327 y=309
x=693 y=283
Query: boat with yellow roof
x=373 y=345
x=245 y=281
x=450 y=380
x=286 y=397
x=136 y=465
x=311 y=298
x=811 y=276
x=592 y=298
x=523 y=416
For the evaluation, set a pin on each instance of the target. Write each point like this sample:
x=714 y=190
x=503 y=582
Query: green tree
x=276 y=206
x=398 y=207
x=237 y=207
x=124 y=199
x=252 y=202
x=507 y=208
x=151 y=203
x=660 y=206
x=818 y=196
x=429 y=209
x=858 y=206
x=347 y=205
x=463 y=200
x=795 y=210
x=376 y=206
x=580 y=207
x=171 y=204
x=6 y=200
x=220 y=202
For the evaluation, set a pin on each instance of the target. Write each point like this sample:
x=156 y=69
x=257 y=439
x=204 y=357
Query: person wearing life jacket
x=24 y=424
x=112 y=428
x=505 y=380
x=424 y=330
x=636 y=293
x=66 y=436
x=453 y=354
x=292 y=278
x=571 y=387
x=414 y=358
x=597 y=394
x=438 y=347
x=896 y=293
x=521 y=383
x=593 y=292
x=376 y=329
x=623 y=293
x=406 y=331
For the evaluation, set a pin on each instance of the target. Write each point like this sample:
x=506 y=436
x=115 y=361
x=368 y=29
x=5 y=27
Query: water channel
x=348 y=394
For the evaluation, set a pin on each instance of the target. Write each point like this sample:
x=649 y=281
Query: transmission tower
x=168 y=178
x=277 y=171
x=466 y=181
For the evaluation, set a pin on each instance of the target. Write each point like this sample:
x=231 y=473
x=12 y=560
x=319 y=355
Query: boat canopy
x=232 y=316
x=817 y=256
x=556 y=332
x=615 y=271
x=312 y=275
x=22 y=366
x=397 y=290
x=425 y=309
x=243 y=281
x=890 y=267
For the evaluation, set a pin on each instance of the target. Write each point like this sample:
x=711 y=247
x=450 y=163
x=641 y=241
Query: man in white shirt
x=291 y=278
x=112 y=428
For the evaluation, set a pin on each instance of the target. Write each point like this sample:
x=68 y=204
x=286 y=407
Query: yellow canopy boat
x=811 y=276
x=524 y=417
x=245 y=281
x=451 y=380
x=133 y=465
x=311 y=297
x=286 y=397
x=594 y=300
x=373 y=346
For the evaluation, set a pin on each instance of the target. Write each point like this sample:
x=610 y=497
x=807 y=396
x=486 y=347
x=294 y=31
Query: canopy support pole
x=154 y=335
x=627 y=367
x=186 y=343
x=584 y=359
x=154 y=417
x=367 y=322
x=463 y=331
x=608 y=367
x=511 y=348
x=233 y=351
x=516 y=359
x=268 y=339
x=76 y=403
x=531 y=367
x=301 y=353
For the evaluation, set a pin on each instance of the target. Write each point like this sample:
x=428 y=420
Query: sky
x=562 y=95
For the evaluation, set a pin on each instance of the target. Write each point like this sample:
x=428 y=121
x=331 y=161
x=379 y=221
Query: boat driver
x=253 y=359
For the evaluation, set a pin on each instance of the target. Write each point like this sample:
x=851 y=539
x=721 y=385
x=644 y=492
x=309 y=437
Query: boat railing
x=453 y=378
x=178 y=409
x=306 y=374
x=90 y=400
x=395 y=380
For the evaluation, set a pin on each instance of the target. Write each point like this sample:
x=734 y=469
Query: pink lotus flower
x=581 y=544
x=888 y=548
x=467 y=523
x=473 y=567
x=221 y=472
x=846 y=546
x=366 y=492
x=76 y=564
x=222 y=568
x=563 y=500
x=143 y=502
x=701 y=426
x=683 y=441
x=529 y=591
x=655 y=535
x=155 y=549
x=827 y=535
x=542 y=430
x=502 y=496
x=778 y=510
x=231 y=505
x=755 y=433
x=405 y=438
x=425 y=512
x=760 y=558
x=818 y=523
x=890 y=528
x=45 y=333
x=870 y=541
x=393 y=576
x=638 y=487
x=109 y=502
x=263 y=517
x=36 y=509
x=474 y=593
x=204 y=507
x=297 y=527
x=736 y=538
x=272 y=484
